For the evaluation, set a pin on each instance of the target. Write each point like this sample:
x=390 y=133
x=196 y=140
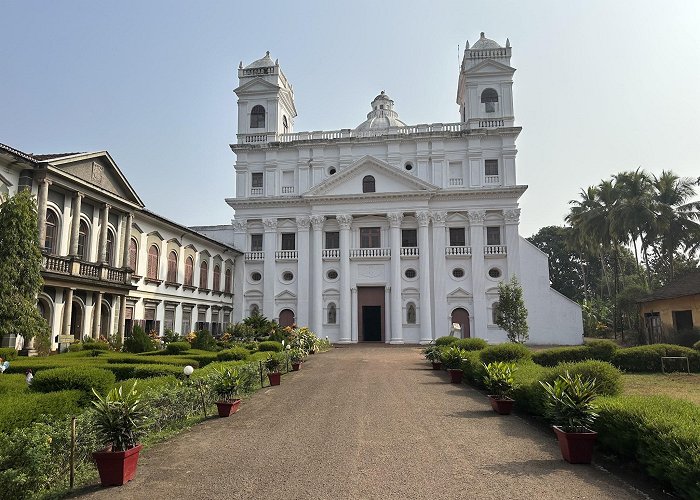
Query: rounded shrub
x=75 y=347
x=83 y=378
x=96 y=346
x=647 y=358
x=270 y=345
x=509 y=351
x=556 y=355
x=233 y=354
x=608 y=379
x=126 y=371
x=177 y=347
x=602 y=349
x=445 y=341
x=8 y=353
x=471 y=344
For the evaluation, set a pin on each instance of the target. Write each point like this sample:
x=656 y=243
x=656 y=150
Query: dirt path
x=366 y=422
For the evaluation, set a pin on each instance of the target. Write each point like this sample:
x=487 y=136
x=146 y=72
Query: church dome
x=382 y=115
x=263 y=62
x=485 y=43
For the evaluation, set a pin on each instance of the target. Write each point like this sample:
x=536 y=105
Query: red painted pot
x=437 y=365
x=455 y=375
x=117 y=467
x=295 y=367
x=501 y=405
x=226 y=408
x=576 y=447
x=274 y=378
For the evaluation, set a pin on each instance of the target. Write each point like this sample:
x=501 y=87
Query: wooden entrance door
x=370 y=313
x=286 y=317
x=461 y=317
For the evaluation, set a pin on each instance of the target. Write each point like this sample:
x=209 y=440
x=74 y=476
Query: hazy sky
x=601 y=86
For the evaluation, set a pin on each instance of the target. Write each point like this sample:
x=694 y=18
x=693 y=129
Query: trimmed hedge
x=154 y=360
x=96 y=346
x=473 y=368
x=647 y=358
x=608 y=379
x=84 y=378
x=602 y=350
x=21 y=409
x=8 y=353
x=12 y=383
x=474 y=344
x=270 y=346
x=505 y=352
x=660 y=433
x=125 y=371
x=233 y=354
x=445 y=341
x=177 y=347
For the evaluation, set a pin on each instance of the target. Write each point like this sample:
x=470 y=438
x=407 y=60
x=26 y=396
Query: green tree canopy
x=512 y=314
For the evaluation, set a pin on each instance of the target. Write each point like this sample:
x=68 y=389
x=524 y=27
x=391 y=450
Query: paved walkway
x=366 y=422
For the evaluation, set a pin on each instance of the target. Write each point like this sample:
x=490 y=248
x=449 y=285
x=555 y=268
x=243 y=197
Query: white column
x=67 y=311
x=345 y=221
x=42 y=200
x=127 y=239
x=395 y=241
x=102 y=249
x=303 y=269
x=75 y=223
x=317 y=276
x=426 y=314
x=441 y=320
x=269 y=267
x=122 y=318
x=512 y=219
x=387 y=311
x=354 y=333
x=97 y=316
x=476 y=235
x=240 y=234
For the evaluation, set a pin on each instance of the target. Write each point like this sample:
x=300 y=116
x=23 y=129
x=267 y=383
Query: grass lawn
x=675 y=385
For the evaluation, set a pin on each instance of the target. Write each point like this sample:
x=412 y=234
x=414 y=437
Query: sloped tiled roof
x=52 y=156
x=17 y=152
x=687 y=285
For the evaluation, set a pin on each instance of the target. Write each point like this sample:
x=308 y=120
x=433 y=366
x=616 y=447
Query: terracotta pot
x=274 y=378
x=576 y=447
x=455 y=375
x=437 y=365
x=295 y=367
x=502 y=405
x=117 y=467
x=226 y=408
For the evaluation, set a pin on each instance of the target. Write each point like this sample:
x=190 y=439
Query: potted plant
x=452 y=360
x=225 y=384
x=432 y=354
x=570 y=406
x=499 y=382
x=296 y=356
x=118 y=418
x=273 y=363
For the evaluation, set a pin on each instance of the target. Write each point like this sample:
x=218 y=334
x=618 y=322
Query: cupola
x=382 y=115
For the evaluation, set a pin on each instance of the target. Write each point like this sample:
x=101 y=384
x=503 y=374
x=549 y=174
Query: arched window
x=204 y=275
x=411 y=313
x=133 y=254
x=332 y=314
x=489 y=97
x=495 y=313
x=51 y=242
x=254 y=309
x=109 y=248
x=227 y=281
x=189 y=271
x=83 y=240
x=285 y=125
x=368 y=184
x=152 y=267
x=172 y=267
x=217 y=278
x=257 y=117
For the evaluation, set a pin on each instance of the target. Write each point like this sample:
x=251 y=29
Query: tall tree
x=512 y=314
x=20 y=268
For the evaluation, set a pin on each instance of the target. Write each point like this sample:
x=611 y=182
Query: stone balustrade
x=72 y=267
x=495 y=250
x=364 y=253
x=458 y=251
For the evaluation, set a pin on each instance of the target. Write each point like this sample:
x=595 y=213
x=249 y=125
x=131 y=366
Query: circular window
x=494 y=272
x=332 y=171
x=255 y=276
x=332 y=274
x=287 y=276
x=408 y=166
x=458 y=272
x=410 y=273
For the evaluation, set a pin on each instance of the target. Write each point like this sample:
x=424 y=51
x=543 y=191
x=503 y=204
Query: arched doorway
x=76 y=321
x=461 y=317
x=105 y=327
x=286 y=317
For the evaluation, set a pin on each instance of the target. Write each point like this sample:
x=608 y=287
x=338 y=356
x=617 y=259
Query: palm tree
x=677 y=218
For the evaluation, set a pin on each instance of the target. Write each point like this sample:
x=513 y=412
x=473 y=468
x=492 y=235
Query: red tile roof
x=687 y=285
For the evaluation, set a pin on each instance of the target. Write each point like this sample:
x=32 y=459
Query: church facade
x=387 y=232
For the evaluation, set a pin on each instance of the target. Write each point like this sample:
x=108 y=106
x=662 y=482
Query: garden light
x=188 y=370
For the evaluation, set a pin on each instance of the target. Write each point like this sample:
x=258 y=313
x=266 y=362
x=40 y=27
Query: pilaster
x=425 y=318
x=511 y=217
x=345 y=316
x=303 y=270
x=440 y=322
x=317 y=277
x=395 y=220
x=476 y=235
x=269 y=267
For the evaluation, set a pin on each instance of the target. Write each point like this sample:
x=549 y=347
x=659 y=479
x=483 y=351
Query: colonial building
x=108 y=263
x=387 y=231
x=673 y=308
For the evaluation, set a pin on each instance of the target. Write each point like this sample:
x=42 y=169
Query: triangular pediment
x=387 y=179
x=100 y=170
x=285 y=295
x=489 y=66
x=459 y=293
x=257 y=85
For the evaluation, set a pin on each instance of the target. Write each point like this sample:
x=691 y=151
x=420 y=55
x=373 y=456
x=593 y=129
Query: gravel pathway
x=366 y=422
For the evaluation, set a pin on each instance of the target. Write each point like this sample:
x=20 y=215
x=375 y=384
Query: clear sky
x=600 y=87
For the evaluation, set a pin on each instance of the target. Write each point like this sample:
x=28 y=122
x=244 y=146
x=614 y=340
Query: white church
x=386 y=232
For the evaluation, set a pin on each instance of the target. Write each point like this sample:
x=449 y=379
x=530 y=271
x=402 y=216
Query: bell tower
x=265 y=102
x=485 y=89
